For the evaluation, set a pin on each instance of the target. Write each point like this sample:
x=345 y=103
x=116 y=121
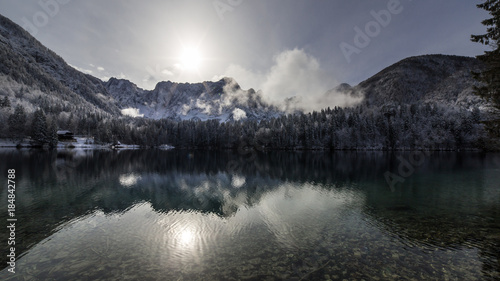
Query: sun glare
x=186 y=237
x=191 y=59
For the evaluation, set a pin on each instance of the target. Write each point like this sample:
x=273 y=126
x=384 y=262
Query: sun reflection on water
x=186 y=238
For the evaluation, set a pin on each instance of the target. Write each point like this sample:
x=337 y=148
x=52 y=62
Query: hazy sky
x=262 y=44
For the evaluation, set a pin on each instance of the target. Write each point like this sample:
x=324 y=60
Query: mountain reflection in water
x=205 y=215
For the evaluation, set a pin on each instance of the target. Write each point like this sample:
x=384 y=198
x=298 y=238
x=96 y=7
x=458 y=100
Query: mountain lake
x=222 y=215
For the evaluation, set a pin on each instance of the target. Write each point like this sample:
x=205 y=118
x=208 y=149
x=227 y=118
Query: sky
x=284 y=47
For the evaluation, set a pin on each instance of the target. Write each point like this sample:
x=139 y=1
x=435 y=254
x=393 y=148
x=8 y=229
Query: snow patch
x=132 y=112
x=166 y=147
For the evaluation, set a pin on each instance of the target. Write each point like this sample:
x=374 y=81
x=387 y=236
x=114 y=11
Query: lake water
x=180 y=215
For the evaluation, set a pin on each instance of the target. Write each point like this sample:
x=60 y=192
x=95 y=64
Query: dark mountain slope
x=431 y=78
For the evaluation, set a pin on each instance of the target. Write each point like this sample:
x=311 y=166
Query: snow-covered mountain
x=34 y=76
x=442 y=79
x=223 y=100
x=31 y=74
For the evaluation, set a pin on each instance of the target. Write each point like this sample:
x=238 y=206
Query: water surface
x=178 y=215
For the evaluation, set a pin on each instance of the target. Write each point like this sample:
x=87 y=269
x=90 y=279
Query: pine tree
x=5 y=102
x=490 y=77
x=39 y=130
x=52 y=134
x=16 y=122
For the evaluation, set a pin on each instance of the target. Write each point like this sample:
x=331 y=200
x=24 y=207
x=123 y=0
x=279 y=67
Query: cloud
x=295 y=74
x=83 y=70
x=233 y=94
x=132 y=112
x=295 y=81
x=97 y=71
x=239 y=114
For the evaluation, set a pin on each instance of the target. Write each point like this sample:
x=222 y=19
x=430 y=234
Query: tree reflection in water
x=451 y=202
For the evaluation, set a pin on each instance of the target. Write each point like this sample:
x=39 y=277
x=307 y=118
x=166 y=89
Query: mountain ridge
x=223 y=100
x=429 y=78
x=438 y=78
x=423 y=102
x=28 y=62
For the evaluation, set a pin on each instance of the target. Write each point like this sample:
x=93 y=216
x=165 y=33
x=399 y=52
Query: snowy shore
x=80 y=143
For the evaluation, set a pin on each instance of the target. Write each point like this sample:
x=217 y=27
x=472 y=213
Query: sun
x=191 y=58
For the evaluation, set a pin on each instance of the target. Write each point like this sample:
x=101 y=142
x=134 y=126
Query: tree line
x=391 y=127
x=395 y=127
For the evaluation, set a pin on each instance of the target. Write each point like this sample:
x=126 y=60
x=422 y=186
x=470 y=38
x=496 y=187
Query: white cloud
x=239 y=114
x=294 y=74
x=86 y=71
x=132 y=112
x=100 y=68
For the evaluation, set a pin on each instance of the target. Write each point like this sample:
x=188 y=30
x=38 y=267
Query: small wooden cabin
x=66 y=136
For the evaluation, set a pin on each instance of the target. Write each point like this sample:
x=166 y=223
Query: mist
x=296 y=81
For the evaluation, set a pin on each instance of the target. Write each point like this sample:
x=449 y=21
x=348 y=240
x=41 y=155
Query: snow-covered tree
x=5 y=102
x=39 y=130
x=52 y=137
x=16 y=121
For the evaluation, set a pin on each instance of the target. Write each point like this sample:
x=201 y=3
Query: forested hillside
x=428 y=126
x=424 y=102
